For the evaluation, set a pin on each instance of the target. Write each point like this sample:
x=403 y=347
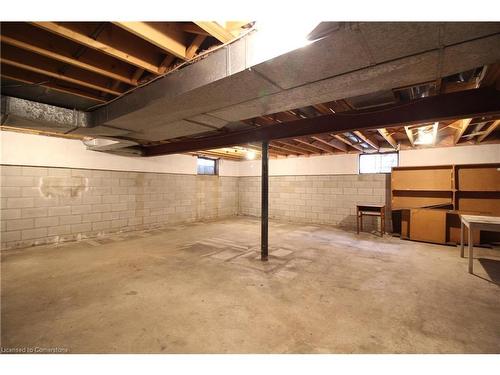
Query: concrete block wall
x=46 y=205
x=325 y=199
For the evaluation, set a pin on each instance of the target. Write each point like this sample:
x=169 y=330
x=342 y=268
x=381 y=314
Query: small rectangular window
x=377 y=163
x=207 y=166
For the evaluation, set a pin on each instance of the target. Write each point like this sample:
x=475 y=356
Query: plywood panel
x=418 y=202
x=420 y=199
x=405 y=224
x=479 y=205
x=453 y=229
x=478 y=178
x=454 y=235
x=428 y=225
x=432 y=178
x=473 y=189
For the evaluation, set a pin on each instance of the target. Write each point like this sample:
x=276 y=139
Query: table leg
x=471 y=246
x=382 y=221
x=357 y=220
x=461 y=239
x=361 y=221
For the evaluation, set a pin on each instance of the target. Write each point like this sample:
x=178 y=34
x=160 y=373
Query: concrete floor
x=199 y=288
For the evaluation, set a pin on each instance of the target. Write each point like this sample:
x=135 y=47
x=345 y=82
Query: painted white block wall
x=228 y=168
x=314 y=165
x=43 y=151
x=349 y=163
x=35 y=150
x=470 y=154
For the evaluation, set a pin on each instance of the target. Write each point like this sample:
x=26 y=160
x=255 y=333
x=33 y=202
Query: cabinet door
x=423 y=178
x=428 y=225
x=477 y=178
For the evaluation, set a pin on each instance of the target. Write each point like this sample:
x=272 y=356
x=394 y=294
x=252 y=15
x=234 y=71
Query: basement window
x=207 y=166
x=378 y=163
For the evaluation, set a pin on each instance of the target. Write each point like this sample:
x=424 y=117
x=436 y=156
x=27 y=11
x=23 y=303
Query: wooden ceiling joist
x=305 y=147
x=296 y=113
x=409 y=134
x=323 y=109
x=272 y=150
x=491 y=76
x=157 y=33
x=65 y=59
x=137 y=75
x=97 y=45
x=333 y=143
x=454 y=125
x=238 y=153
x=58 y=76
x=215 y=30
x=320 y=147
x=191 y=28
x=288 y=147
x=52 y=86
x=388 y=137
x=273 y=146
x=195 y=45
x=367 y=139
x=280 y=151
x=488 y=131
x=166 y=63
x=447 y=87
x=435 y=128
x=464 y=124
x=214 y=154
x=342 y=138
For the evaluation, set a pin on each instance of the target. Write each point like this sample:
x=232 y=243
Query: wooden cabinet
x=477 y=178
x=428 y=225
x=419 y=199
x=423 y=178
x=430 y=199
x=453 y=230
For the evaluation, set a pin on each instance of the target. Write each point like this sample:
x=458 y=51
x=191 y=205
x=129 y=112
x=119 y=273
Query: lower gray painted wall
x=48 y=205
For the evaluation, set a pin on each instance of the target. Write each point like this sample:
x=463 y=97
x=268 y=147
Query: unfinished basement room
x=198 y=187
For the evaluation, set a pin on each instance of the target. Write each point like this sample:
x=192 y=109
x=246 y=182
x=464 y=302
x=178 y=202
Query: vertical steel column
x=264 y=201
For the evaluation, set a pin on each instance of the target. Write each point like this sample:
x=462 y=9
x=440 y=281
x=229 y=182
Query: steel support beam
x=264 y=229
x=470 y=103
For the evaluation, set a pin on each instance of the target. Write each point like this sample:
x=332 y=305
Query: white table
x=476 y=222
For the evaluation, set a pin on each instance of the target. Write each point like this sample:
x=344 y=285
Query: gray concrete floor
x=200 y=288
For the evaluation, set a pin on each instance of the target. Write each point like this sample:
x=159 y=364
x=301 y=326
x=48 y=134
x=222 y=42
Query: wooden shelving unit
x=426 y=201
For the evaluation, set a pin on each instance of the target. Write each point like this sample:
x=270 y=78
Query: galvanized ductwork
x=233 y=83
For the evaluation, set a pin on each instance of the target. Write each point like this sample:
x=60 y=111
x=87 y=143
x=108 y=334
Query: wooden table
x=476 y=222
x=370 y=210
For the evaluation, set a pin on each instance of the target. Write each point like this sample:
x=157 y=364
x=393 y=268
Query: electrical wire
x=25 y=85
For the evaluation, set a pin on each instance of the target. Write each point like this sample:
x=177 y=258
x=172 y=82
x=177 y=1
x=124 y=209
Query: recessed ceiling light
x=426 y=135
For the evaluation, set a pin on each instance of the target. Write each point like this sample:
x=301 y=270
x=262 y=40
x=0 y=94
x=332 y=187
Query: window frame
x=216 y=166
x=377 y=153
